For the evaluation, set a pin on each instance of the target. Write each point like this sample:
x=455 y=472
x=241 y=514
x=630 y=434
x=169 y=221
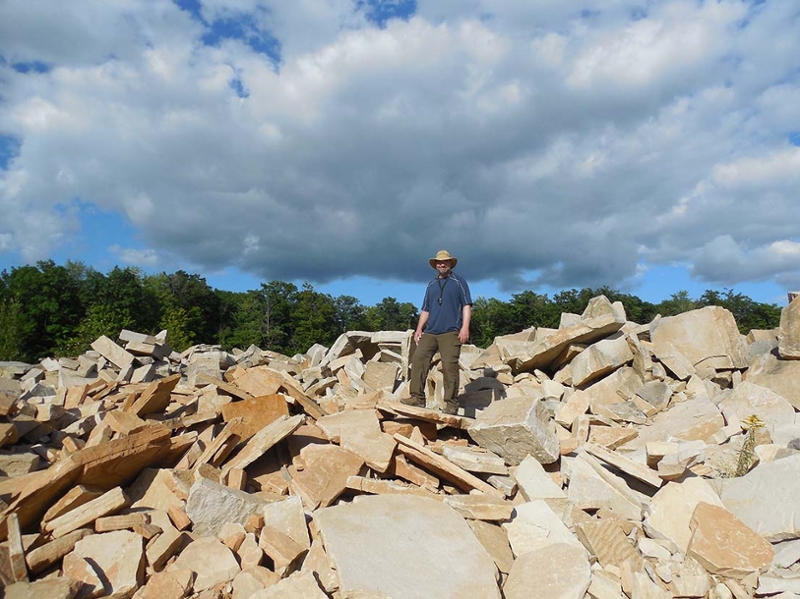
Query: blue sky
x=651 y=147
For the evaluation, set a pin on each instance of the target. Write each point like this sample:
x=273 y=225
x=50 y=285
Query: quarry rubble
x=605 y=459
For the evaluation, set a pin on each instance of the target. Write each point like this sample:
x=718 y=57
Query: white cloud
x=576 y=143
x=135 y=257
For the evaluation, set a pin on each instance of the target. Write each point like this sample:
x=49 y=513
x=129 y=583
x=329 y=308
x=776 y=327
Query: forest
x=59 y=310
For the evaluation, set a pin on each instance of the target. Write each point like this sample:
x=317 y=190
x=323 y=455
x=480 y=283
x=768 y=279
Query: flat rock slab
x=116 y=558
x=669 y=514
x=725 y=545
x=534 y=526
x=559 y=571
x=404 y=546
x=765 y=499
x=211 y=505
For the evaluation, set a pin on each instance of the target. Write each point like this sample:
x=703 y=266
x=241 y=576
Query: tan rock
x=61 y=587
x=606 y=540
x=779 y=375
x=495 y=540
x=167 y=585
x=534 y=526
x=324 y=477
x=402 y=546
x=558 y=571
x=592 y=487
x=789 y=333
x=256 y=413
x=516 y=427
x=251 y=580
x=599 y=359
x=708 y=336
x=211 y=561
x=777 y=517
x=725 y=545
x=534 y=483
x=360 y=432
x=115 y=558
x=670 y=511
x=480 y=507
x=301 y=584
x=211 y=505
x=474 y=459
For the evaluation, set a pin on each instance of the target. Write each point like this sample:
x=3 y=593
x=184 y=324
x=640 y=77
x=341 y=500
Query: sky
x=649 y=146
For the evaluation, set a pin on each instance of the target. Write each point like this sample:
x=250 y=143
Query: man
x=443 y=326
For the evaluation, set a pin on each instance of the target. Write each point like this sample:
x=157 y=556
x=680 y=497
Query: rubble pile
x=605 y=459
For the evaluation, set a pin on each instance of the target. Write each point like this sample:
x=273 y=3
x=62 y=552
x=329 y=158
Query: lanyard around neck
x=441 y=287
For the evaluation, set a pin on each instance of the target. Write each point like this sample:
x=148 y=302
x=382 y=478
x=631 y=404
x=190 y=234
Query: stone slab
x=404 y=546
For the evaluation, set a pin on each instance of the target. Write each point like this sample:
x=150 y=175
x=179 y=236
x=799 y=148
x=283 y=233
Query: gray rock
x=515 y=427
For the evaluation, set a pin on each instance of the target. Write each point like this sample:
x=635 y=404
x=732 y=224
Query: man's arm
x=466 y=315
x=423 y=320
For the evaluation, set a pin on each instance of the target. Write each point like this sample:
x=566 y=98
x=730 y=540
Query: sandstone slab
x=669 y=514
x=778 y=516
x=725 y=545
x=558 y=571
x=404 y=546
x=534 y=525
x=116 y=558
x=708 y=336
x=516 y=427
x=211 y=505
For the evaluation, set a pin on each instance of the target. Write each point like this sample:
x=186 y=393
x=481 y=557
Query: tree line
x=59 y=310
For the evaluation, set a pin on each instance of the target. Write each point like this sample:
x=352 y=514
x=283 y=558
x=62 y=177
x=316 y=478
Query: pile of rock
x=604 y=459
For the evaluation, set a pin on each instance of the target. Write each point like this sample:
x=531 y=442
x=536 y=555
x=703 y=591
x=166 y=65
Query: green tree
x=350 y=314
x=491 y=318
x=748 y=313
x=277 y=303
x=391 y=315
x=10 y=329
x=531 y=309
x=101 y=319
x=313 y=320
x=678 y=303
x=49 y=307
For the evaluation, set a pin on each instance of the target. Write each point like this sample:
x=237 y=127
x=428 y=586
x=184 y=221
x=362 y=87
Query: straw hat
x=442 y=255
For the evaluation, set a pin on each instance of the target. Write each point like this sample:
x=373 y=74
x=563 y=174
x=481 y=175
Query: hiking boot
x=450 y=407
x=414 y=401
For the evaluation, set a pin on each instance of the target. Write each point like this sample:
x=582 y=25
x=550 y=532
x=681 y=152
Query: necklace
x=441 y=287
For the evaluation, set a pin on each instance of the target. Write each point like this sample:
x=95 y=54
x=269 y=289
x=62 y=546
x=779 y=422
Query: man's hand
x=417 y=336
x=463 y=334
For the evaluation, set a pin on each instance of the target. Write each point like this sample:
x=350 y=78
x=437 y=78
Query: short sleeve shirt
x=445 y=315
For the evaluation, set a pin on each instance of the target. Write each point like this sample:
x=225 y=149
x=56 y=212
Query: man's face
x=443 y=267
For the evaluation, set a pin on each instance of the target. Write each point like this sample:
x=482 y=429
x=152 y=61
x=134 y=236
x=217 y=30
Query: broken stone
x=599 y=359
x=724 y=544
x=789 y=332
x=777 y=518
x=402 y=546
x=516 y=427
x=557 y=571
x=324 y=477
x=114 y=558
x=211 y=561
x=534 y=526
x=669 y=514
x=211 y=505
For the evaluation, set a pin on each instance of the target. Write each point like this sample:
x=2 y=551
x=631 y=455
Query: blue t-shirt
x=444 y=300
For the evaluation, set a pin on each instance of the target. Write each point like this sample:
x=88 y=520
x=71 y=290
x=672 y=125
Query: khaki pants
x=449 y=347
